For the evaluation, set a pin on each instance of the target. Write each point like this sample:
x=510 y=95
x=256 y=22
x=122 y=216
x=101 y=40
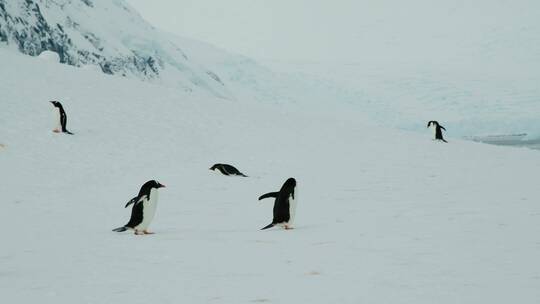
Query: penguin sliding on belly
x=227 y=170
x=61 y=118
x=284 y=205
x=144 y=208
x=438 y=131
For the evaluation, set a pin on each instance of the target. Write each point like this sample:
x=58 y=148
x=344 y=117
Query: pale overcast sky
x=343 y=30
x=287 y=29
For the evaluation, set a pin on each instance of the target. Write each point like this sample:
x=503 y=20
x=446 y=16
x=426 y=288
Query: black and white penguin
x=284 y=206
x=61 y=118
x=227 y=170
x=438 y=131
x=144 y=208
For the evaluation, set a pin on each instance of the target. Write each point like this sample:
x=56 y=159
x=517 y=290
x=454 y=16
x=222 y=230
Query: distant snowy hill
x=477 y=101
x=474 y=65
x=106 y=34
x=112 y=37
x=480 y=84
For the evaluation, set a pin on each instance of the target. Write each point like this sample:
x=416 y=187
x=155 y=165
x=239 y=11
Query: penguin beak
x=162 y=186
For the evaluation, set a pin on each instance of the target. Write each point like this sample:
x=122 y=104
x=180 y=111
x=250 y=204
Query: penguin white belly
x=292 y=207
x=149 y=210
x=57 y=125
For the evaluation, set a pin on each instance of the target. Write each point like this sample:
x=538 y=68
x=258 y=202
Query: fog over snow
x=474 y=65
x=355 y=30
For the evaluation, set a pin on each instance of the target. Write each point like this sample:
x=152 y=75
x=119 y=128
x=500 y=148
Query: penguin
x=438 y=132
x=61 y=118
x=284 y=205
x=144 y=208
x=227 y=170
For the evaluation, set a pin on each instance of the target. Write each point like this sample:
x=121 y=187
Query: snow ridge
x=108 y=34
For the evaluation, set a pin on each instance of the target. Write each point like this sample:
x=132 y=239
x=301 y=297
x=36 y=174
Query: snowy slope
x=112 y=37
x=384 y=216
x=477 y=101
x=473 y=65
x=248 y=79
x=109 y=35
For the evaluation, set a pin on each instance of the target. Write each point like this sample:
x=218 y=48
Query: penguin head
x=289 y=186
x=214 y=167
x=434 y=122
x=55 y=103
x=156 y=184
x=148 y=186
x=291 y=182
x=151 y=184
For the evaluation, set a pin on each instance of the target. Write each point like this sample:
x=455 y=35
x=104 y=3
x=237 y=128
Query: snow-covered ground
x=384 y=216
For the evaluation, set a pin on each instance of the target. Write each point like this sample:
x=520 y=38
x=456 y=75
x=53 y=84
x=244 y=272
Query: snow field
x=384 y=216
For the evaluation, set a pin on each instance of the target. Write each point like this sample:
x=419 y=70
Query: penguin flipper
x=132 y=201
x=267 y=195
x=136 y=200
x=268 y=226
x=120 y=229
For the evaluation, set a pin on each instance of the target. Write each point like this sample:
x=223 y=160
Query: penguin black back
x=226 y=169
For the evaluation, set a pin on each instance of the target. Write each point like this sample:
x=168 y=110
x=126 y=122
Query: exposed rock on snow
x=108 y=34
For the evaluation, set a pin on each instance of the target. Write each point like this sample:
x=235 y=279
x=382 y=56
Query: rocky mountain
x=107 y=34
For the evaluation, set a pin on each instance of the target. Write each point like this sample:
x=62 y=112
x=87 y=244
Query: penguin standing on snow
x=438 y=131
x=284 y=206
x=61 y=118
x=144 y=208
x=227 y=170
